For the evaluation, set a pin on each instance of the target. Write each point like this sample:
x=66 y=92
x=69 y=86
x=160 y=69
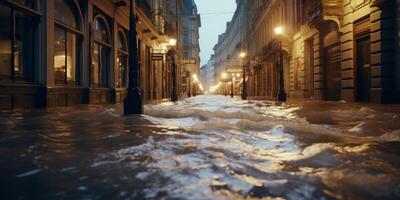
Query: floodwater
x=206 y=147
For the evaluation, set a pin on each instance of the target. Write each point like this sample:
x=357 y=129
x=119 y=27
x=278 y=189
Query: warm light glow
x=224 y=75
x=278 y=30
x=237 y=75
x=242 y=54
x=172 y=42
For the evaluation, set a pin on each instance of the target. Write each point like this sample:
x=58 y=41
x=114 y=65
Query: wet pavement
x=206 y=147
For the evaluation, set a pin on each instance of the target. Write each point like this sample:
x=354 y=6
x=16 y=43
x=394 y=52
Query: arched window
x=101 y=51
x=122 y=60
x=66 y=36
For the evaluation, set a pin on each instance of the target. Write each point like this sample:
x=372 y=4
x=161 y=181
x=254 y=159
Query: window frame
x=101 y=44
x=15 y=7
x=78 y=40
x=124 y=53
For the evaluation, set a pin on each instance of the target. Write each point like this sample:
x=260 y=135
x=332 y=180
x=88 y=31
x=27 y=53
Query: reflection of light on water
x=208 y=148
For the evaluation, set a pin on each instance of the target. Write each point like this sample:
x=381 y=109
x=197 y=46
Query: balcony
x=146 y=8
x=317 y=10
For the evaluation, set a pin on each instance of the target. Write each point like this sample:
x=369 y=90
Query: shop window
x=66 y=37
x=122 y=60
x=28 y=3
x=101 y=51
x=17 y=39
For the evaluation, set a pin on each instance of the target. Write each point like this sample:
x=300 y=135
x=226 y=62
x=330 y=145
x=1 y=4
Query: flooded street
x=206 y=147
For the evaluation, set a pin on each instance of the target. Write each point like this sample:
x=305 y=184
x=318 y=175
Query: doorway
x=333 y=72
x=363 y=83
x=309 y=68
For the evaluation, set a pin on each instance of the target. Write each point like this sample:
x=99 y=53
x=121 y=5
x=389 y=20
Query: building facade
x=230 y=44
x=345 y=50
x=208 y=75
x=191 y=47
x=69 y=52
x=332 y=50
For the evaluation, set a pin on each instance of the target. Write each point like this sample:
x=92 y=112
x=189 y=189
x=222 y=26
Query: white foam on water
x=391 y=136
x=217 y=143
x=32 y=172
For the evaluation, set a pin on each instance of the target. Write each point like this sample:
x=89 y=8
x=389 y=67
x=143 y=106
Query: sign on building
x=157 y=56
x=189 y=61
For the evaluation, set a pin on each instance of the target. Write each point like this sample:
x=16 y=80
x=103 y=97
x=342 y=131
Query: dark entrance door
x=333 y=72
x=309 y=68
x=363 y=69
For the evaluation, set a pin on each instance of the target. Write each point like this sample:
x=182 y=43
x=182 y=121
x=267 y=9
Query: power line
x=204 y=14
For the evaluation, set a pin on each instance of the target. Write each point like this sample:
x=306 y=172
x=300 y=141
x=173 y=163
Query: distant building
x=230 y=45
x=208 y=74
x=191 y=47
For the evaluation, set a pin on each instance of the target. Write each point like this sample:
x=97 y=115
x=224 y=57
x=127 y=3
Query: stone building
x=345 y=50
x=332 y=49
x=208 y=75
x=191 y=47
x=68 y=52
x=264 y=47
x=229 y=46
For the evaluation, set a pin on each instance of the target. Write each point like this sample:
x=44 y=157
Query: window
x=28 y=3
x=66 y=35
x=17 y=38
x=122 y=60
x=101 y=51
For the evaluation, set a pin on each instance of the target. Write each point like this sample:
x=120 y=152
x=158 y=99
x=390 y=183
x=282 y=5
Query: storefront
x=62 y=53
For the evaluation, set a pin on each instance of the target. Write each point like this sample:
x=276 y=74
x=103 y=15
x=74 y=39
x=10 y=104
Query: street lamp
x=224 y=79
x=195 y=82
x=133 y=102
x=279 y=31
x=188 y=88
x=172 y=42
x=174 y=96
x=224 y=75
x=244 y=84
x=232 y=80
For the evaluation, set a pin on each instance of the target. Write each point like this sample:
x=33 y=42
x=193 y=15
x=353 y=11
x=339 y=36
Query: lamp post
x=195 y=83
x=173 y=42
x=224 y=79
x=133 y=102
x=244 y=84
x=221 y=88
x=188 y=75
x=232 y=82
x=174 y=95
x=281 y=93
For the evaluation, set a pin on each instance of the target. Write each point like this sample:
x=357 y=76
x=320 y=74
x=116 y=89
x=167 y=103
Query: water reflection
x=202 y=148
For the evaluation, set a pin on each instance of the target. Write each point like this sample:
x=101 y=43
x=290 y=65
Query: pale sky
x=214 y=15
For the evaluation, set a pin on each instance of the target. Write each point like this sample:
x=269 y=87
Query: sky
x=214 y=15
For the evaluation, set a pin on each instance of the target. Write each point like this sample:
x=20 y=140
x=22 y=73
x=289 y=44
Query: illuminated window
x=66 y=42
x=101 y=51
x=122 y=60
x=17 y=39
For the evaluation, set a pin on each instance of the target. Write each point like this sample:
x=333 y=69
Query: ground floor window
x=101 y=52
x=122 y=60
x=100 y=63
x=17 y=39
x=122 y=69
x=65 y=56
